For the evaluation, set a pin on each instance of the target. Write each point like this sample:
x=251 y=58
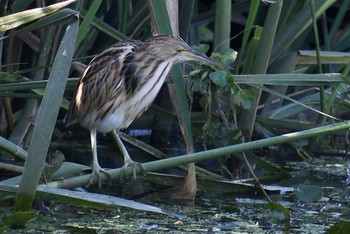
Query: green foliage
x=202 y=48
x=50 y=169
x=214 y=133
x=308 y=193
x=221 y=96
x=227 y=57
x=219 y=78
x=340 y=227
x=17 y=19
x=279 y=212
x=244 y=98
x=17 y=219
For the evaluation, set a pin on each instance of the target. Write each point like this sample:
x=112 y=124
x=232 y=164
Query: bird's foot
x=134 y=166
x=96 y=170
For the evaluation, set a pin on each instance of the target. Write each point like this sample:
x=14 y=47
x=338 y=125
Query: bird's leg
x=96 y=168
x=128 y=162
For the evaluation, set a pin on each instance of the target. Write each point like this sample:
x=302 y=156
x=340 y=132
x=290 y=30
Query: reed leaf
x=17 y=19
x=46 y=119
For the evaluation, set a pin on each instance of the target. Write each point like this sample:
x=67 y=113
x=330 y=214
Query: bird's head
x=176 y=49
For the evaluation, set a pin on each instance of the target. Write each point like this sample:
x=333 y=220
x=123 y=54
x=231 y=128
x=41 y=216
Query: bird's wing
x=100 y=80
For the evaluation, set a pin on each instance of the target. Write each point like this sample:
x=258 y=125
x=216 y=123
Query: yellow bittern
x=121 y=83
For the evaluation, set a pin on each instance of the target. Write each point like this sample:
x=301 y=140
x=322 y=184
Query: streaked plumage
x=121 y=83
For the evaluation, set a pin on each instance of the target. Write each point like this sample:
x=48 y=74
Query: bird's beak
x=196 y=56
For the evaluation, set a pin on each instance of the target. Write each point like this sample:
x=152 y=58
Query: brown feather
x=121 y=83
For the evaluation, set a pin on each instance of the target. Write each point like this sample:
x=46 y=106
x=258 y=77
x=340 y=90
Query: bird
x=121 y=83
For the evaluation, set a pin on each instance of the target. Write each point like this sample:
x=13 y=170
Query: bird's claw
x=96 y=171
x=133 y=165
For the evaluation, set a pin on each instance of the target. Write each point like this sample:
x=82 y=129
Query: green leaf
x=104 y=27
x=17 y=219
x=57 y=18
x=244 y=98
x=14 y=20
x=229 y=56
x=211 y=128
x=46 y=118
x=204 y=75
x=56 y=163
x=308 y=193
x=219 y=78
x=97 y=200
x=81 y=199
x=340 y=227
x=86 y=23
x=201 y=48
x=236 y=135
x=279 y=212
